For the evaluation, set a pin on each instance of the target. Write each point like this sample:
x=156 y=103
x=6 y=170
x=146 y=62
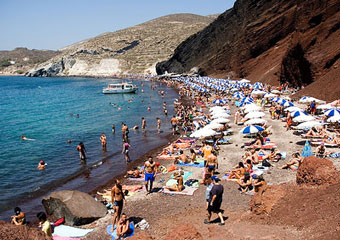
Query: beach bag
x=265 y=163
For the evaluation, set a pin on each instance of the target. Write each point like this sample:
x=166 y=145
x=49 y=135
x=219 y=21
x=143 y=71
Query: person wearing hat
x=41 y=165
x=215 y=200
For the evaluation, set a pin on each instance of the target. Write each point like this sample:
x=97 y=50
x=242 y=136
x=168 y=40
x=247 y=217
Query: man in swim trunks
x=183 y=157
x=173 y=124
x=103 y=141
x=211 y=163
x=143 y=123
x=150 y=173
x=117 y=198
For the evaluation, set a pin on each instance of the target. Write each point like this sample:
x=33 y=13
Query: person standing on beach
x=158 y=124
x=173 y=124
x=215 y=201
x=125 y=151
x=118 y=200
x=103 y=141
x=150 y=173
x=82 y=150
x=125 y=132
x=143 y=123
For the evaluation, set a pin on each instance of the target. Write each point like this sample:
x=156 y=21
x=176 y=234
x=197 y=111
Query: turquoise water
x=40 y=108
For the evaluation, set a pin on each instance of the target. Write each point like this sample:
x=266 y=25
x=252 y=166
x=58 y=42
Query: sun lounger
x=331 y=145
x=187 y=191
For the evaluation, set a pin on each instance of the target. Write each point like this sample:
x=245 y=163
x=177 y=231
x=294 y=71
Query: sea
x=52 y=111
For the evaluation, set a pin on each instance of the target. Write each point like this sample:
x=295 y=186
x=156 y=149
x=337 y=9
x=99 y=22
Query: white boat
x=120 y=88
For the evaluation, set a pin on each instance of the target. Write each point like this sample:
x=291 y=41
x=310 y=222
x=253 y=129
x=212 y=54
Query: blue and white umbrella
x=218 y=101
x=238 y=95
x=332 y=112
x=287 y=104
x=298 y=113
x=252 y=129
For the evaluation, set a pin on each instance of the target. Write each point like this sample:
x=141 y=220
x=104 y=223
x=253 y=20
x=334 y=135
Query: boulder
x=317 y=171
x=77 y=207
x=184 y=231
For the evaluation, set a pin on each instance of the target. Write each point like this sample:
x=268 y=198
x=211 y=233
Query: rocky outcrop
x=12 y=232
x=317 y=171
x=131 y=50
x=76 y=207
x=268 y=41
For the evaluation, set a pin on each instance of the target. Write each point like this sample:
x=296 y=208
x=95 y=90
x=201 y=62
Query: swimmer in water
x=149 y=109
x=135 y=127
x=103 y=141
x=143 y=123
x=142 y=90
x=78 y=115
x=69 y=141
x=159 y=124
x=42 y=165
x=26 y=139
x=113 y=128
x=119 y=109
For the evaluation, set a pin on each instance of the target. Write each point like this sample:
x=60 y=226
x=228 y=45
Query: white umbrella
x=269 y=95
x=204 y=132
x=250 y=105
x=303 y=118
x=309 y=124
x=253 y=109
x=214 y=125
x=293 y=109
x=324 y=106
x=217 y=108
x=335 y=118
x=275 y=91
x=258 y=92
x=220 y=120
x=220 y=115
x=254 y=115
x=244 y=81
x=255 y=121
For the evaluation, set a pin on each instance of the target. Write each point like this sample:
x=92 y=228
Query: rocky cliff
x=270 y=41
x=132 y=50
x=20 y=60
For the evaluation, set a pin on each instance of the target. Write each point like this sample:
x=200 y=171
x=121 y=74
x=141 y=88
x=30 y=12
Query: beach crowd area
x=245 y=161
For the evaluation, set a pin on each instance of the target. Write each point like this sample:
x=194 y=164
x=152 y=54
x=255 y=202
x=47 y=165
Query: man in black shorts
x=215 y=201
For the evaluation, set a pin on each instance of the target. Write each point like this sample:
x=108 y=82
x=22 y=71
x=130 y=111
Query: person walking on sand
x=215 y=201
x=103 y=141
x=173 y=124
x=118 y=200
x=143 y=123
x=82 y=150
x=150 y=173
x=125 y=151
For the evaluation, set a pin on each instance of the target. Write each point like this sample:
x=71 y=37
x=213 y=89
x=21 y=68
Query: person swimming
x=42 y=165
x=26 y=139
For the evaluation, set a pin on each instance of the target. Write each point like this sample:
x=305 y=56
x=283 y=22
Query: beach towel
x=259 y=167
x=56 y=237
x=335 y=155
x=171 y=182
x=68 y=231
x=132 y=188
x=114 y=233
x=326 y=144
x=267 y=146
x=167 y=157
x=140 y=179
x=185 y=175
x=187 y=191
x=200 y=164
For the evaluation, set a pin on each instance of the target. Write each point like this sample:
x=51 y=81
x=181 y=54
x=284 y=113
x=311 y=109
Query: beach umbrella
x=308 y=125
x=215 y=125
x=324 y=106
x=238 y=95
x=269 y=95
x=218 y=101
x=293 y=109
x=307 y=150
x=220 y=120
x=309 y=100
x=255 y=121
x=287 y=104
x=332 y=112
x=252 y=108
x=275 y=91
x=204 y=132
x=252 y=129
x=254 y=115
x=220 y=115
x=258 y=92
x=303 y=118
x=298 y=113
x=334 y=119
x=244 y=81
x=214 y=108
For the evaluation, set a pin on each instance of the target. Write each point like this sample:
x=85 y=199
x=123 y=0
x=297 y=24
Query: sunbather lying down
x=135 y=173
x=178 y=187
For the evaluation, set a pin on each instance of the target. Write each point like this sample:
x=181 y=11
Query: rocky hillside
x=132 y=50
x=269 y=41
x=20 y=60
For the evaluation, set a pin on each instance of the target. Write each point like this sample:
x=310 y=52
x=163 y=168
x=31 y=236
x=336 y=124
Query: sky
x=53 y=24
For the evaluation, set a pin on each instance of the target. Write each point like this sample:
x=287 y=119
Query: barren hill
x=269 y=41
x=20 y=60
x=134 y=50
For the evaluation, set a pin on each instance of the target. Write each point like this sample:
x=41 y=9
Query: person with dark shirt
x=215 y=201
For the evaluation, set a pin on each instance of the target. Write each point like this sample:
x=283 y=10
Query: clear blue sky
x=53 y=24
